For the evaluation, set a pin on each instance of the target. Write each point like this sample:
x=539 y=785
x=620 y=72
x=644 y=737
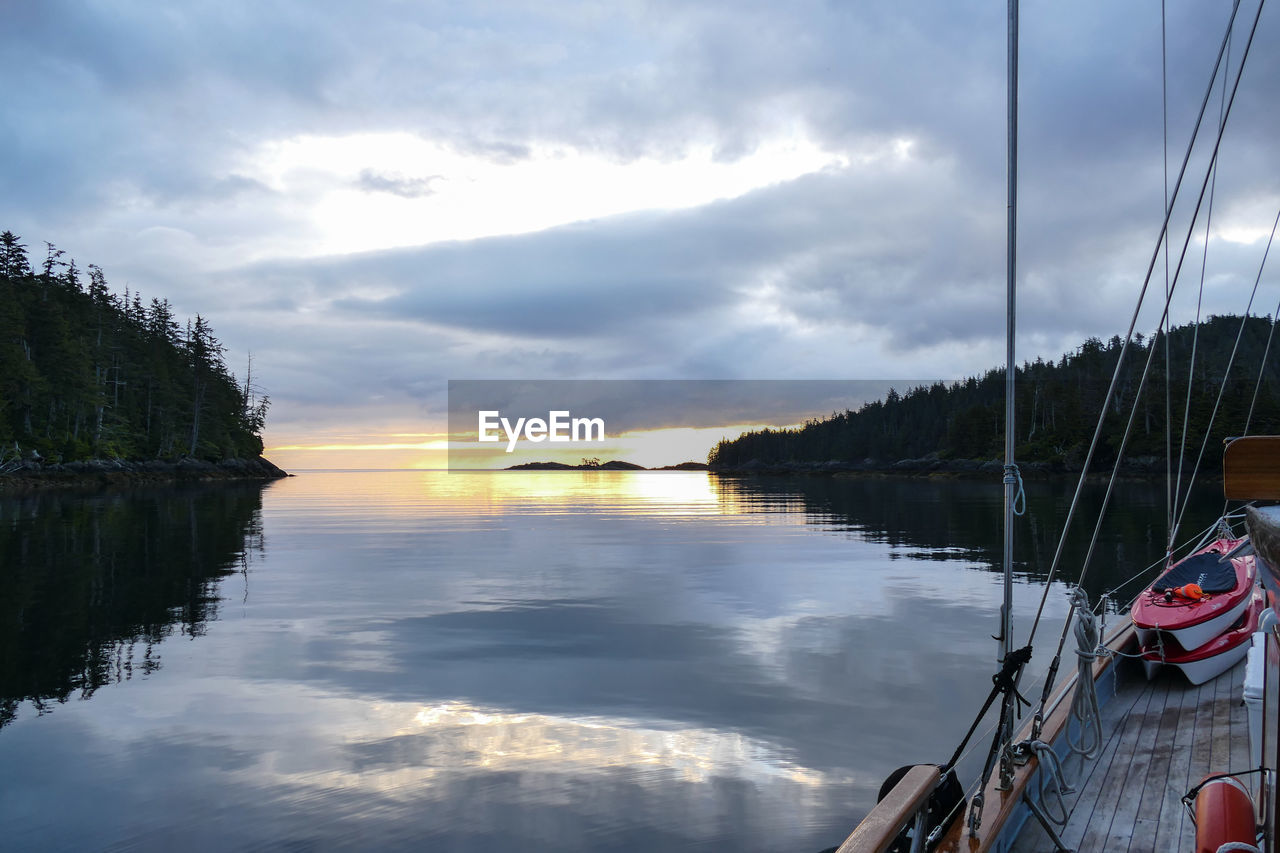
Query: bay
x=464 y=661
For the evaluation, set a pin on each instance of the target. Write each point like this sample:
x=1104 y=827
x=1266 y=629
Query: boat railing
x=906 y=805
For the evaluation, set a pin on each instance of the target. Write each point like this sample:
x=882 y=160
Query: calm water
x=460 y=661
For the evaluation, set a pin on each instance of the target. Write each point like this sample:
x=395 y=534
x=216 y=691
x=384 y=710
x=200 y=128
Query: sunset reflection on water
x=558 y=660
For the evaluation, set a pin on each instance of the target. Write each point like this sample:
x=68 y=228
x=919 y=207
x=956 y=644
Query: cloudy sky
x=376 y=198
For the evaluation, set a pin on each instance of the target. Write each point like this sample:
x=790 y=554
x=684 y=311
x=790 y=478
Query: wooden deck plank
x=1097 y=831
x=1079 y=773
x=1202 y=749
x=1144 y=835
x=1129 y=797
x=1240 y=760
x=1220 y=752
x=1186 y=732
x=1155 y=786
x=1115 y=720
x=1169 y=835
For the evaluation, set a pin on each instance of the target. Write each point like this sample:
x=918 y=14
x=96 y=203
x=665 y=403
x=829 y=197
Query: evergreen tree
x=85 y=372
x=1057 y=407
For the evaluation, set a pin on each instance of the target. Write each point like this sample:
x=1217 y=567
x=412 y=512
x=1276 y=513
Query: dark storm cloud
x=650 y=404
x=396 y=184
x=835 y=249
x=585 y=280
x=127 y=130
x=636 y=81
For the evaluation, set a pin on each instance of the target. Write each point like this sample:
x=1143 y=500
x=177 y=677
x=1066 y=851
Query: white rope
x=1052 y=783
x=1084 y=704
x=1019 y=499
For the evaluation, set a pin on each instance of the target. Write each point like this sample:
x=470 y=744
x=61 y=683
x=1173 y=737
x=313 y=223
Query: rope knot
x=1007 y=678
x=1012 y=476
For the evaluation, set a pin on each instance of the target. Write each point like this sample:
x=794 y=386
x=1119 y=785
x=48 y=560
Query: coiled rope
x=1053 y=783
x=1084 y=710
x=1084 y=704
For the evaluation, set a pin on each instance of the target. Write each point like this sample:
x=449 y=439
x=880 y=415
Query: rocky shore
x=935 y=466
x=115 y=472
x=612 y=465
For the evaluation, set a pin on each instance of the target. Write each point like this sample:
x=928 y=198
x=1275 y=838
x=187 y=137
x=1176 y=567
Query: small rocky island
x=597 y=465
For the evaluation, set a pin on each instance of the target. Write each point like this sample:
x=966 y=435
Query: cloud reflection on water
x=560 y=660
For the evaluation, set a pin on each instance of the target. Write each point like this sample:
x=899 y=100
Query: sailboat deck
x=1161 y=737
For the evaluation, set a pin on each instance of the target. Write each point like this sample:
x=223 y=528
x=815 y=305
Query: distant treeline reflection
x=90 y=585
x=964 y=520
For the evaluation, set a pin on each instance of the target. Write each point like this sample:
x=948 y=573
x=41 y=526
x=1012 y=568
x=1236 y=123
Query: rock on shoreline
x=110 y=472
x=612 y=465
x=934 y=466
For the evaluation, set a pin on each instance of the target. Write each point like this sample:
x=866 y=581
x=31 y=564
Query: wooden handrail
x=882 y=825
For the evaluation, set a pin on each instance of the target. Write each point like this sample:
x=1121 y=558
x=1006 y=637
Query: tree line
x=87 y=373
x=1057 y=407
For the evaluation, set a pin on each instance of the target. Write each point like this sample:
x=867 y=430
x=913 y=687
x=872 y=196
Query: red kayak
x=1214 y=657
x=1197 y=598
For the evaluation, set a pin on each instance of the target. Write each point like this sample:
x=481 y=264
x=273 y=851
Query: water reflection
x=963 y=520
x=461 y=661
x=90 y=585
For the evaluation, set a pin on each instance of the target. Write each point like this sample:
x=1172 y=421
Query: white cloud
x=648 y=189
x=347 y=185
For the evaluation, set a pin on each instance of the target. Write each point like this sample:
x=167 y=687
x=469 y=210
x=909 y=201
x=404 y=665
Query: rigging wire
x=1115 y=377
x=1244 y=321
x=1111 y=481
x=1262 y=366
x=1195 y=335
x=1185 y=546
x=973 y=744
x=1146 y=283
x=1009 y=663
x=1146 y=371
x=1266 y=351
x=1164 y=121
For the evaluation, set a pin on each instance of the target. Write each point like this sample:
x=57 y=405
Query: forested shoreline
x=959 y=427
x=94 y=381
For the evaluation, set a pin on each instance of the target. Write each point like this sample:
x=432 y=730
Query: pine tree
x=86 y=372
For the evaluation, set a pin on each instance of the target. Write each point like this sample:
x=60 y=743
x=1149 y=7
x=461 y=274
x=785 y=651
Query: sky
x=373 y=199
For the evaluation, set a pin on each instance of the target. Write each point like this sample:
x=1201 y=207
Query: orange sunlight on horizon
x=649 y=448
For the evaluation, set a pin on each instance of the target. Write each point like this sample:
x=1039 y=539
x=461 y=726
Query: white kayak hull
x=1200 y=671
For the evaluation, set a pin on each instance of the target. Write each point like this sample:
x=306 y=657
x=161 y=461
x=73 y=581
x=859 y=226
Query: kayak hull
x=1194 y=623
x=1211 y=659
